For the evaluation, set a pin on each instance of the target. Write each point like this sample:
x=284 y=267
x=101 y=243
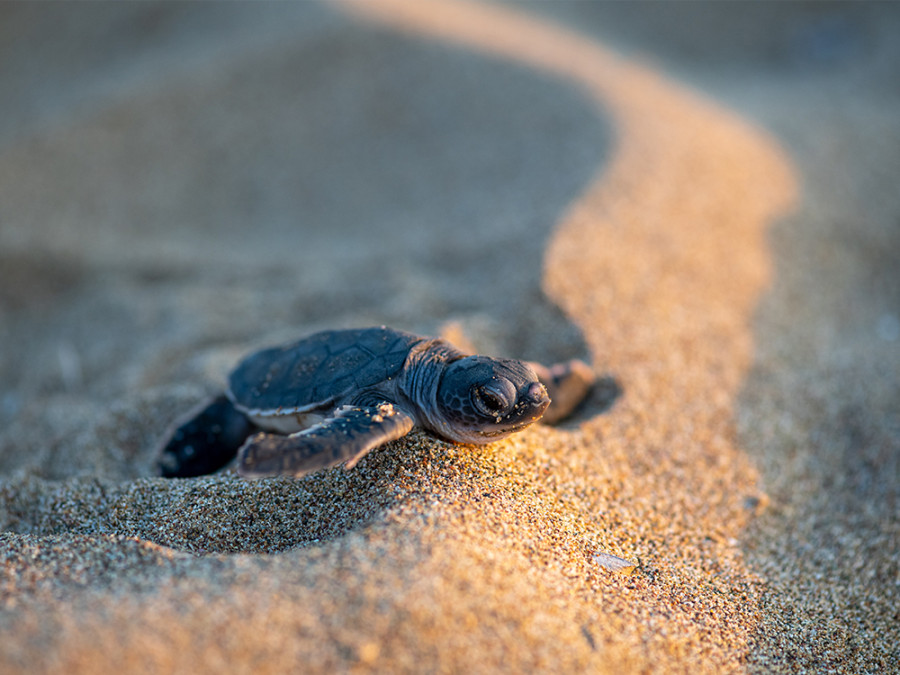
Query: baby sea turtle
x=334 y=396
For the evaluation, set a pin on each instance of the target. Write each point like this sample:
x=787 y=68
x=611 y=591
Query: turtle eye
x=494 y=398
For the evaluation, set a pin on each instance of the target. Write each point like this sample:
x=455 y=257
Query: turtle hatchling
x=335 y=395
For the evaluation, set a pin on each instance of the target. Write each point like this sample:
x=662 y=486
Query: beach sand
x=700 y=200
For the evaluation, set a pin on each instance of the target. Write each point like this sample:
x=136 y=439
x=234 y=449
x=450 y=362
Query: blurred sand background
x=700 y=199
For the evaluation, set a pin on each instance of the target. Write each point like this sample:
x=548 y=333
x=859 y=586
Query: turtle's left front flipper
x=346 y=437
x=568 y=384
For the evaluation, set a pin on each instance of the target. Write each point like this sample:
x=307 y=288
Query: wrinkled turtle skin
x=334 y=396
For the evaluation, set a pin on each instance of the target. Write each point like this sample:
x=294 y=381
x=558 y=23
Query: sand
x=699 y=200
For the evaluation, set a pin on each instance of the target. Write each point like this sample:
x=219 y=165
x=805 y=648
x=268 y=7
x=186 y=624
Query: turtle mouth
x=506 y=431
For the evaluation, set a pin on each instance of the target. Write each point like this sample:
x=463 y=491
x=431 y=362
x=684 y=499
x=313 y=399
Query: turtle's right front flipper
x=205 y=440
x=346 y=437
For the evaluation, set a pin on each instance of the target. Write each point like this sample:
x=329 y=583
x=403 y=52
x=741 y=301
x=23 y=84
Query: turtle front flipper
x=346 y=437
x=205 y=440
x=568 y=384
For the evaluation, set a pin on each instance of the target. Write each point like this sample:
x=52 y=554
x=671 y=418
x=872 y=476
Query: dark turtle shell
x=318 y=369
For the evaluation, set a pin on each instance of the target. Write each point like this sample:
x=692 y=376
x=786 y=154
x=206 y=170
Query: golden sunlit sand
x=726 y=260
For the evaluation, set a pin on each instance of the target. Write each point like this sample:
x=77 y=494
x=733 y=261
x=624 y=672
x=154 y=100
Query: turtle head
x=482 y=399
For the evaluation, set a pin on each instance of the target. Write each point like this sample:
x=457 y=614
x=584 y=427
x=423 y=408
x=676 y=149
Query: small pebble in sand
x=614 y=563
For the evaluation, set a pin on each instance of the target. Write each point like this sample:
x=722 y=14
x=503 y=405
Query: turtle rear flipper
x=346 y=437
x=205 y=440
